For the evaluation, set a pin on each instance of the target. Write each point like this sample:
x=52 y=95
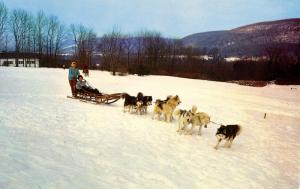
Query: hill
x=249 y=40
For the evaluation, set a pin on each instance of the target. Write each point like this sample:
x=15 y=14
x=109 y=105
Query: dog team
x=166 y=109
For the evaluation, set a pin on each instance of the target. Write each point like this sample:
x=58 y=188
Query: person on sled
x=83 y=86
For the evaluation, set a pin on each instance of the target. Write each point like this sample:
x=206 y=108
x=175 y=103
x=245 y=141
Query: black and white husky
x=184 y=119
x=228 y=133
x=139 y=102
x=130 y=102
x=147 y=101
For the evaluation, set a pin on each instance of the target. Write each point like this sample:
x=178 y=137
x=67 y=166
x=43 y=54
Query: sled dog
x=228 y=133
x=129 y=103
x=139 y=103
x=147 y=101
x=198 y=119
x=166 y=107
x=184 y=119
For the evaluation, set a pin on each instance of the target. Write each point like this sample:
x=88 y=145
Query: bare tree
x=50 y=37
x=84 y=40
x=29 y=36
x=128 y=48
x=18 y=25
x=40 y=31
x=74 y=32
x=172 y=53
x=153 y=44
x=139 y=48
x=111 y=48
x=90 y=45
x=7 y=38
x=58 y=39
x=3 y=21
x=52 y=27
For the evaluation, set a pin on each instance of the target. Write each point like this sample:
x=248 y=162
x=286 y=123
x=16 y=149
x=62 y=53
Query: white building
x=232 y=59
x=25 y=60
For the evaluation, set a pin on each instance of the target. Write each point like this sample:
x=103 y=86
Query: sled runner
x=97 y=98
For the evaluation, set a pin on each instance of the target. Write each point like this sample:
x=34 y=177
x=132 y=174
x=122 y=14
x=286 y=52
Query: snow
x=50 y=141
x=232 y=59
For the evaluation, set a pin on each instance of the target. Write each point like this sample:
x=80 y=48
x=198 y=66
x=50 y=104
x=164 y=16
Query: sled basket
x=98 y=98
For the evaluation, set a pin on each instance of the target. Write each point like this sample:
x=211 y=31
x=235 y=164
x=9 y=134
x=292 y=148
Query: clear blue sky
x=173 y=18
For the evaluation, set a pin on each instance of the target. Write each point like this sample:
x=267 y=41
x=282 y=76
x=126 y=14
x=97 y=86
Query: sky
x=173 y=18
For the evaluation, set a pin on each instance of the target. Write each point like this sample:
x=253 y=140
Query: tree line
x=144 y=52
x=148 y=52
x=43 y=35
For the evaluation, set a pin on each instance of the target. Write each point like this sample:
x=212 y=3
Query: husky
x=198 y=119
x=139 y=103
x=129 y=103
x=147 y=101
x=228 y=133
x=166 y=107
x=184 y=119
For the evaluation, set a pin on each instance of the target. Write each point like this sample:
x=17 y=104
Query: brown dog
x=166 y=107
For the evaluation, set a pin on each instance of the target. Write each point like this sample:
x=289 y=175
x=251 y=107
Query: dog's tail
x=239 y=129
x=194 y=109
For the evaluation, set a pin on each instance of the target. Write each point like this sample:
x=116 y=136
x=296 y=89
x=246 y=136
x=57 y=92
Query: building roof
x=19 y=55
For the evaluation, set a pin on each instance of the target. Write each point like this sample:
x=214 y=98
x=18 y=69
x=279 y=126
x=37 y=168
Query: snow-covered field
x=50 y=141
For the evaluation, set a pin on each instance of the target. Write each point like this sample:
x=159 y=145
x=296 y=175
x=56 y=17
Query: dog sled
x=97 y=98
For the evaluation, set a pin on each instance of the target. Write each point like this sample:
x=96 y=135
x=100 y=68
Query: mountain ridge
x=249 y=40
